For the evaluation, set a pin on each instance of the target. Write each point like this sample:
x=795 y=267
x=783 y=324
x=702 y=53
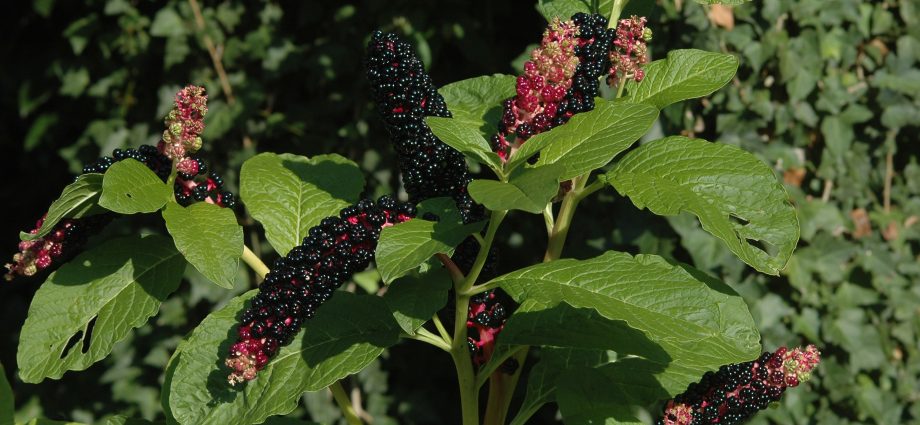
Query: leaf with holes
x=289 y=194
x=736 y=197
x=129 y=187
x=77 y=200
x=92 y=302
x=529 y=189
x=464 y=139
x=209 y=238
x=348 y=333
x=407 y=245
x=415 y=299
x=591 y=139
x=685 y=323
x=685 y=74
x=477 y=102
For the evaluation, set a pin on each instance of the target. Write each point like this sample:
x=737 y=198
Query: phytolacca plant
x=610 y=334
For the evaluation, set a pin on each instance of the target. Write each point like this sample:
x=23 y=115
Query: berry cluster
x=304 y=279
x=559 y=81
x=485 y=319
x=146 y=154
x=189 y=188
x=64 y=240
x=736 y=392
x=630 y=51
x=405 y=95
x=184 y=124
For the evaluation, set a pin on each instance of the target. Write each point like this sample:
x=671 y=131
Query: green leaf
x=92 y=302
x=123 y=420
x=209 y=238
x=564 y=9
x=591 y=139
x=541 y=381
x=7 y=407
x=697 y=323
x=407 y=245
x=78 y=199
x=725 y=2
x=167 y=23
x=129 y=187
x=43 y=421
x=348 y=333
x=289 y=194
x=736 y=197
x=529 y=189
x=586 y=396
x=685 y=74
x=415 y=299
x=465 y=139
x=477 y=102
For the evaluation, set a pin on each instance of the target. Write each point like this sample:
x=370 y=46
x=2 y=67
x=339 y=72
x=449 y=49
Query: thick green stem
x=615 y=11
x=564 y=220
x=460 y=353
x=341 y=398
x=254 y=263
x=495 y=220
x=428 y=337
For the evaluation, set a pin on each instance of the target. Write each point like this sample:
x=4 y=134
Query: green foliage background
x=828 y=93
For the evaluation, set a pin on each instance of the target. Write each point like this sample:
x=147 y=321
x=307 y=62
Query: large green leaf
x=685 y=74
x=736 y=197
x=407 y=245
x=477 y=102
x=541 y=381
x=7 y=407
x=414 y=299
x=591 y=139
x=92 y=302
x=564 y=9
x=209 y=238
x=289 y=194
x=77 y=199
x=529 y=189
x=589 y=397
x=697 y=323
x=129 y=187
x=348 y=332
x=466 y=139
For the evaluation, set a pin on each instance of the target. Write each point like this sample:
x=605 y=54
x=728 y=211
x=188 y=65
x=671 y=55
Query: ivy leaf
x=697 y=323
x=407 y=245
x=477 y=102
x=209 y=238
x=7 y=407
x=129 y=187
x=464 y=139
x=736 y=197
x=591 y=139
x=289 y=194
x=346 y=334
x=78 y=199
x=415 y=299
x=529 y=189
x=92 y=302
x=684 y=74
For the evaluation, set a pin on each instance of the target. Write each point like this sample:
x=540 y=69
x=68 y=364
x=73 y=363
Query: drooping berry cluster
x=190 y=187
x=62 y=243
x=306 y=277
x=630 y=51
x=146 y=154
x=485 y=319
x=736 y=392
x=184 y=124
x=405 y=95
x=559 y=81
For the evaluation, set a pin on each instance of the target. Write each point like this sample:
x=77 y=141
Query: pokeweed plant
x=607 y=336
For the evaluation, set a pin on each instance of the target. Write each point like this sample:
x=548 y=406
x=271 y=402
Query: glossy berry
x=405 y=95
x=736 y=392
x=306 y=278
x=485 y=319
x=559 y=81
x=59 y=245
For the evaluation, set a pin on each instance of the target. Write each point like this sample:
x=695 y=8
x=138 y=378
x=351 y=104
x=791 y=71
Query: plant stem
x=341 y=398
x=494 y=221
x=501 y=389
x=455 y=274
x=441 y=329
x=212 y=51
x=424 y=335
x=460 y=353
x=615 y=11
x=253 y=261
x=563 y=220
x=548 y=218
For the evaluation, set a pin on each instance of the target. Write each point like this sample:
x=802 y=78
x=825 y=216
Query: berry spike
x=62 y=243
x=559 y=81
x=736 y=392
x=306 y=277
x=405 y=95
